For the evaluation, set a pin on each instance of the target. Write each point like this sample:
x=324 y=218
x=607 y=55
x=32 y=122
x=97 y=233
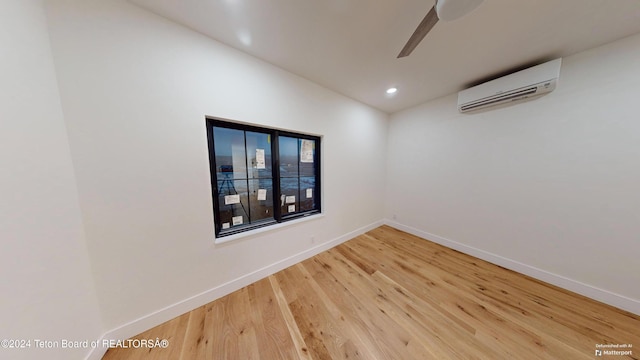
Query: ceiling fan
x=446 y=10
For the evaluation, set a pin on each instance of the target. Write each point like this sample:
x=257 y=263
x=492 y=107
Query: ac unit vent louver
x=520 y=85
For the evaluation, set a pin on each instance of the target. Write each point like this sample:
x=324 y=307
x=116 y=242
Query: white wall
x=549 y=187
x=135 y=90
x=45 y=277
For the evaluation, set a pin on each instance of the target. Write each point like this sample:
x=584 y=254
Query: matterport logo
x=614 y=350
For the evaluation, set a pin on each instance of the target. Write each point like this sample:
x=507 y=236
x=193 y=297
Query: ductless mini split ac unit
x=524 y=84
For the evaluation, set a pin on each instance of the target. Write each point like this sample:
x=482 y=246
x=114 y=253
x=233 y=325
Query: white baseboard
x=158 y=317
x=607 y=297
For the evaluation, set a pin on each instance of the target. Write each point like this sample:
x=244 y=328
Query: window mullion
x=246 y=175
x=275 y=173
x=298 y=197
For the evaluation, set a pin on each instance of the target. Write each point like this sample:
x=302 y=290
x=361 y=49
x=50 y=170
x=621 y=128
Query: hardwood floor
x=390 y=295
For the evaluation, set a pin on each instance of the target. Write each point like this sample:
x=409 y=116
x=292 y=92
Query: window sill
x=265 y=229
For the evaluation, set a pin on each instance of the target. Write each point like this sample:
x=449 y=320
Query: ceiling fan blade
x=421 y=31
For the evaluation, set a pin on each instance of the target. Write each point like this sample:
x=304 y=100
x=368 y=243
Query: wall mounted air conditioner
x=520 y=85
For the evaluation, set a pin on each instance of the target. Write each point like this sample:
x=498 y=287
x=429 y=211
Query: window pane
x=290 y=195
x=231 y=160
x=288 y=149
x=307 y=157
x=233 y=199
x=261 y=199
x=258 y=154
x=307 y=193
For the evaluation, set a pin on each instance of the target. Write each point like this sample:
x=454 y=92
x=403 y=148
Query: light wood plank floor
x=390 y=295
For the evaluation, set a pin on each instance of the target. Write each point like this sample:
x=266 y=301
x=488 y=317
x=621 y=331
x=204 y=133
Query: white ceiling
x=350 y=46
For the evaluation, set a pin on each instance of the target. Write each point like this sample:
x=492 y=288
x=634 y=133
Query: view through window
x=261 y=176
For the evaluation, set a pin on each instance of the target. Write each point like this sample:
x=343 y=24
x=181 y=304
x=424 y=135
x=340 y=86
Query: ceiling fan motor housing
x=449 y=10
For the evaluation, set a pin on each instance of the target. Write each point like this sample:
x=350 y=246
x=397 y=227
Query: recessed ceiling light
x=244 y=36
x=391 y=90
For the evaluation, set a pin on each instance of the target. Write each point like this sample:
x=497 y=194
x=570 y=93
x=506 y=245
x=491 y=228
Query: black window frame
x=278 y=216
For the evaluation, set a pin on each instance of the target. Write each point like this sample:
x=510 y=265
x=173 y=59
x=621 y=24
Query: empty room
x=321 y=179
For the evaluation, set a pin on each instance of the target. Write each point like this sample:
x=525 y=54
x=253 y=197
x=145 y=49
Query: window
x=261 y=176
